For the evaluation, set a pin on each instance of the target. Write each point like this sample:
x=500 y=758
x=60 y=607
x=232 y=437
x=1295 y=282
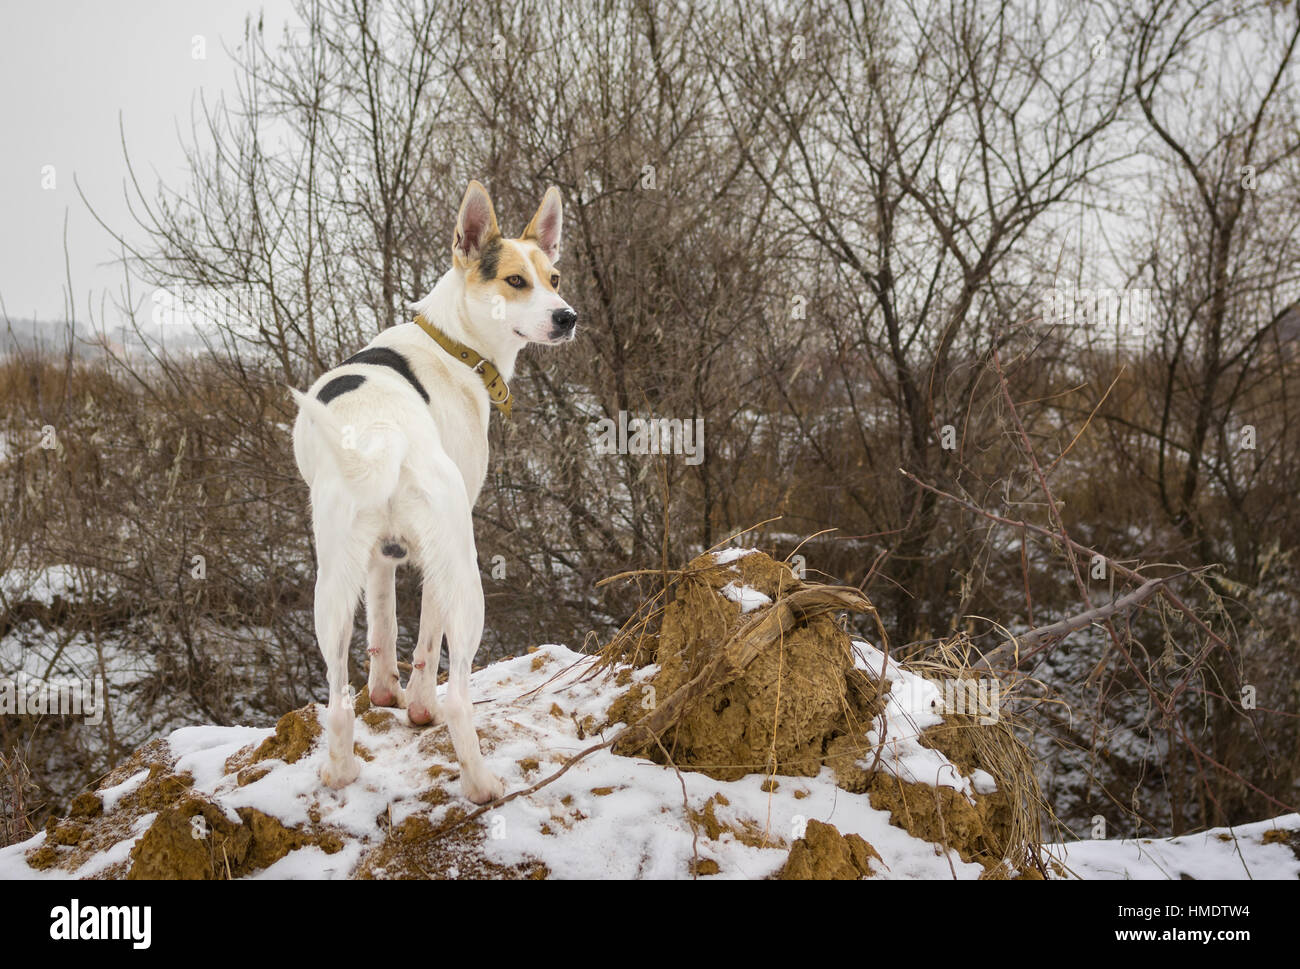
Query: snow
x=310 y=862
x=911 y=707
x=616 y=817
x=748 y=597
x=640 y=824
x=40 y=585
x=203 y=750
x=728 y=555
x=1220 y=853
x=110 y=796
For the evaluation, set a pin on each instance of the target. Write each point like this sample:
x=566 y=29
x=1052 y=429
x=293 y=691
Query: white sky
x=67 y=71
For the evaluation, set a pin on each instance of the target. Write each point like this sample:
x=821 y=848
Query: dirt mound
x=799 y=701
x=789 y=702
x=823 y=854
x=87 y=830
x=295 y=734
x=194 y=839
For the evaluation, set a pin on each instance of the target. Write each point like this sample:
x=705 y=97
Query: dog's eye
x=555 y=281
x=516 y=281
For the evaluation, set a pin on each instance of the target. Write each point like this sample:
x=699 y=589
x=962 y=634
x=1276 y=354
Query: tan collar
x=497 y=388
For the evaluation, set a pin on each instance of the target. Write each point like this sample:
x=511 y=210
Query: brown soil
x=193 y=839
x=413 y=850
x=88 y=831
x=746 y=832
x=823 y=854
x=295 y=735
x=938 y=814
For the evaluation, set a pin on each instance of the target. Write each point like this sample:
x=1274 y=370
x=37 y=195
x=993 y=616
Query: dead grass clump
x=1012 y=816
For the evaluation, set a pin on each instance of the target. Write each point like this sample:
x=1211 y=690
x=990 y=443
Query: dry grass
x=994 y=747
x=15 y=809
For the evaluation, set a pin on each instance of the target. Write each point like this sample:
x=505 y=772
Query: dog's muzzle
x=563 y=323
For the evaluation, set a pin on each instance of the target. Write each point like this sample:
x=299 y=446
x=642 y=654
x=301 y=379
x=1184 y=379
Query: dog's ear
x=476 y=225
x=545 y=227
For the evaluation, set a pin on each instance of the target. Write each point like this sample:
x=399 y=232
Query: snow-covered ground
x=611 y=816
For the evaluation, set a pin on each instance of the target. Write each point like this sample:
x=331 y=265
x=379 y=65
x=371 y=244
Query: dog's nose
x=564 y=320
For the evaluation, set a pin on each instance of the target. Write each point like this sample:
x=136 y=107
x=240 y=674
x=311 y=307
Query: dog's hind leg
x=385 y=685
x=452 y=585
x=341 y=558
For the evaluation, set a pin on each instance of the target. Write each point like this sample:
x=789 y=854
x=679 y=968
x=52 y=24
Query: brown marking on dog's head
x=547 y=275
x=479 y=248
x=504 y=269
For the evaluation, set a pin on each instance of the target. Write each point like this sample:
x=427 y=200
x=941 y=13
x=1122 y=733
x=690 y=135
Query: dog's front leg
x=464 y=630
x=385 y=686
x=422 y=689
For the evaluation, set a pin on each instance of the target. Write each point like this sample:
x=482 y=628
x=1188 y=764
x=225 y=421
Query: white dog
x=393 y=444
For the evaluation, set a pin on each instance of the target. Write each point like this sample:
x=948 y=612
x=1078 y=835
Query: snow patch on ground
x=41 y=585
x=616 y=817
x=110 y=796
x=1220 y=853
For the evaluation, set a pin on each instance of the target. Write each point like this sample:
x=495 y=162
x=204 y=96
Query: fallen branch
x=1047 y=635
x=1124 y=570
x=1165 y=704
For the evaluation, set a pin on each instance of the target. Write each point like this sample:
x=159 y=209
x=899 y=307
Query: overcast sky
x=68 y=70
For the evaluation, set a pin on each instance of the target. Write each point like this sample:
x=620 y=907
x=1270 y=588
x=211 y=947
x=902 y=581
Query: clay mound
x=194 y=839
x=823 y=854
x=789 y=700
x=792 y=703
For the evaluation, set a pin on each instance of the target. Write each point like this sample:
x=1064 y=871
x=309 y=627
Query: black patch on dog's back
x=487 y=263
x=384 y=357
x=340 y=385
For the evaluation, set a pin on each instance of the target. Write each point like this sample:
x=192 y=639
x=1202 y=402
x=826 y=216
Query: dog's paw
x=387 y=696
x=488 y=787
x=421 y=715
x=335 y=775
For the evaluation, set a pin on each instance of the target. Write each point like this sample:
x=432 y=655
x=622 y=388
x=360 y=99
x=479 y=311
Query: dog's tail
x=369 y=456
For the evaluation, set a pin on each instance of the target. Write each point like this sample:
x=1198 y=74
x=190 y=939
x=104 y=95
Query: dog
x=393 y=445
